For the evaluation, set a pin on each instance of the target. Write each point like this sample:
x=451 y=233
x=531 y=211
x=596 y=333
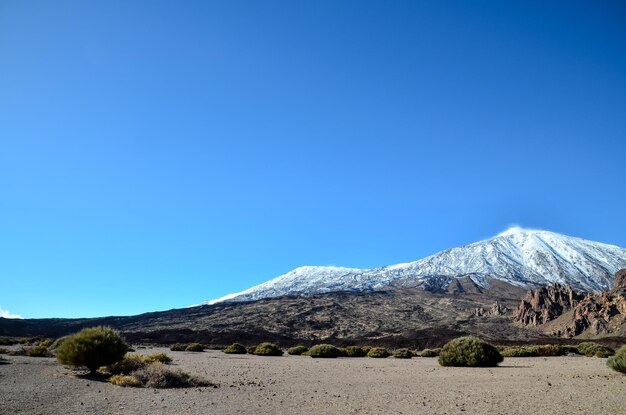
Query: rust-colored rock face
x=545 y=304
x=595 y=314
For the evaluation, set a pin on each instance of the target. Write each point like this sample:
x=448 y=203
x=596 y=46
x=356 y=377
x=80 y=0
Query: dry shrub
x=41 y=350
x=618 y=362
x=158 y=357
x=130 y=363
x=157 y=375
x=125 y=380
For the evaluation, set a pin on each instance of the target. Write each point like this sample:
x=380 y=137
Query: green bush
x=603 y=354
x=590 y=349
x=268 y=349
x=236 y=348
x=378 y=352
x=297 y=350
x=178 y=347
x=366 y=349
x=618 y=362
x=251 y=349
x=533 y=351
x=403 y=354
x=469 y=351
x=195 y=347
x=355 y=351
x=430 y=352
x=324 y=351
x=517 y=351
x=92 y=348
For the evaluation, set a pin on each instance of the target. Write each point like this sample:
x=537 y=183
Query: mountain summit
x=521 y=257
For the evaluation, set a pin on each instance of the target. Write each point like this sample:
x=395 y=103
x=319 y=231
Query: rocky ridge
x=564 y=312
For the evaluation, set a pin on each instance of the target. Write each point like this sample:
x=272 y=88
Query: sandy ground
x=302 y=385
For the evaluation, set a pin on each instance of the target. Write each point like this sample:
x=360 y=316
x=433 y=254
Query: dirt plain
x=303 y=385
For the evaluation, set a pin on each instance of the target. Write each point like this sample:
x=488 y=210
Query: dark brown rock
x=545 y=304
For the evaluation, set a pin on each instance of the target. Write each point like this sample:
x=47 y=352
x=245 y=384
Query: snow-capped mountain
x=522 y=257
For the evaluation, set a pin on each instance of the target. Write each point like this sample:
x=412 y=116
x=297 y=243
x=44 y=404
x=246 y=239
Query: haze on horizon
x=156 y=154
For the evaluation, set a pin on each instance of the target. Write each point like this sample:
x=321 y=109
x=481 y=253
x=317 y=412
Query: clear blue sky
x=157 y=154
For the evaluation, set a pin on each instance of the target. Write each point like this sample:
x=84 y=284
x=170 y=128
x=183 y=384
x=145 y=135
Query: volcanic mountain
x=521 y=257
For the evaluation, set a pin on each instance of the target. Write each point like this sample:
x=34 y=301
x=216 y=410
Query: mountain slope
x=521 y=257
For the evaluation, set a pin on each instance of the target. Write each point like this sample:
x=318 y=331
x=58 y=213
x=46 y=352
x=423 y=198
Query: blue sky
x=157 y=154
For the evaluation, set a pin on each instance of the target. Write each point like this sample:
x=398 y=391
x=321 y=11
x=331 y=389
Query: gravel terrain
x=302 y=385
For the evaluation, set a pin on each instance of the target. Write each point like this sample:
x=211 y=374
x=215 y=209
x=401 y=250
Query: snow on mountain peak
x=523 y=257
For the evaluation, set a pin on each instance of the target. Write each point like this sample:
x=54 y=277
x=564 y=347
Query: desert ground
x=303 y=385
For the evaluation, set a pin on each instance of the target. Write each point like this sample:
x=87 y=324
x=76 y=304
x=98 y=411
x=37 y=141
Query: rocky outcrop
x=564 y=312
x=597 y=314
x=496 y=310
x=546 y=304
x=619 y=284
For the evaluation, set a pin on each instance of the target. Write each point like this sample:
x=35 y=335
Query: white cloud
x=6 y=314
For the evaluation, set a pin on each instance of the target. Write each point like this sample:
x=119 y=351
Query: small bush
x=403 y=354
x=92 y=348
x=158 y=357
x=618 y=362
x=378 y=352
x=7 y=341
x=178 y=347
x=548 y=350
x=236 y=348
x=130 y=363
x=41 y=350
x=125 y=380
x=342 y=352
x=158 y=376
x=469 y=351
x=268 y=349
x=297 y=350
x=603 y=354
x=430 y=352
x=195 y=347
x=251 y=349
x=517 y=351
x=366 y=349
x=355 y=351
x=324 y=351
x=590 y=349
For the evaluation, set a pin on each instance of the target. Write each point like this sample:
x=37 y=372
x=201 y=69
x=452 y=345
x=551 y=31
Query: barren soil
x=302 y=385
